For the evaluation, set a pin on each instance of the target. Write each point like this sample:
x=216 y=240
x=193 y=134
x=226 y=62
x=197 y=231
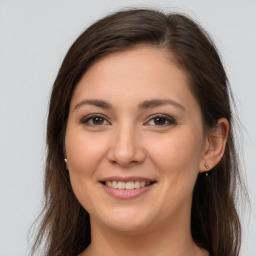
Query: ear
x=215 y=144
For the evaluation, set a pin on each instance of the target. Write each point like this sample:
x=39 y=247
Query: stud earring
x=66 y=161
x=207 y=167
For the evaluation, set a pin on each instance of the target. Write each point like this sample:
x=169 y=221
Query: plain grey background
x=34 y=37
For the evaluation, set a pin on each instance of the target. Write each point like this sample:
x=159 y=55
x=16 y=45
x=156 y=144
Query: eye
x=161 y=120
x=94 y=120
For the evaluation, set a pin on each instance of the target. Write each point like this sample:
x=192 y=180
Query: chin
x=128 y=221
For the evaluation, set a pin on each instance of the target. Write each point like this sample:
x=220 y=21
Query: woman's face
x=134 y=141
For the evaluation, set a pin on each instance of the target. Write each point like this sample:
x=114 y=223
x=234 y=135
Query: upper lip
x=126 y=179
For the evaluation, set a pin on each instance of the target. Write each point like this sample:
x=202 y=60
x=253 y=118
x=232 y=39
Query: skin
x=129 y=141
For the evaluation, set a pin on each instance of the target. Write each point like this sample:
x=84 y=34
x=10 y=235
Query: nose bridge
x=126 y=145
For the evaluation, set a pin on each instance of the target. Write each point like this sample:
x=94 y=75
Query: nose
x=126 y=147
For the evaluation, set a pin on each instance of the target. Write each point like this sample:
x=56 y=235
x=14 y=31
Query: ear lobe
x=215 y=145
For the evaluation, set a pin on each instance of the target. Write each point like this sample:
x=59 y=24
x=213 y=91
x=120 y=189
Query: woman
x=141 y=157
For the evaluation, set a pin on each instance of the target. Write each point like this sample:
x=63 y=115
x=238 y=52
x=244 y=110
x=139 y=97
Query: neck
x=162 y=242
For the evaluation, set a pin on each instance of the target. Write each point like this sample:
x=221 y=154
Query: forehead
x=134 y=74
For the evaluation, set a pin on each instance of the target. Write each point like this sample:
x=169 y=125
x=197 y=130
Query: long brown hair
x=215 y=225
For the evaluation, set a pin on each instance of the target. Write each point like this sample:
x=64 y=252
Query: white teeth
x=114 y=184
x=127 y=185
x=121 y=185
x=137 y=184
x=143 y=183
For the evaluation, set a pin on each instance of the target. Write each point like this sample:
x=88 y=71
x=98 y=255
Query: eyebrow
x=97 y=103
x=159 y=102
x=143 y=105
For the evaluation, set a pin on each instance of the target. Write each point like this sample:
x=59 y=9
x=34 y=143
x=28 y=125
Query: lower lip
x=127 y=193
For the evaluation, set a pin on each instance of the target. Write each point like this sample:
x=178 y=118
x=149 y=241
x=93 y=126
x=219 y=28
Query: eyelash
x=171 y=121
x=89 y=118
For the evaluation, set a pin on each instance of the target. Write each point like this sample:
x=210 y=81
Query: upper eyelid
x=94 y=115
x=161 y=115
x=88 y=117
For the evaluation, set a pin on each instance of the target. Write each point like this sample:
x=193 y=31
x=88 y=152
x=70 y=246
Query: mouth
x=127 y=188
x=129 y=185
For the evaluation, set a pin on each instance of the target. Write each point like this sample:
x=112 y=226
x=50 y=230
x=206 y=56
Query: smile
x=127 y=188
x=127 y=185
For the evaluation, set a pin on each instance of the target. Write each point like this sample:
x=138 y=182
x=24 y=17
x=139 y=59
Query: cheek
x=179 y=152
x=84 y=153
x=177 y=158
